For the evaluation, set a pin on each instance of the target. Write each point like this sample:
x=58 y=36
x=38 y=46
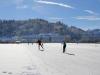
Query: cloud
x=90 y=12
x=90 y=18
x=20 y=4
x=54 y=3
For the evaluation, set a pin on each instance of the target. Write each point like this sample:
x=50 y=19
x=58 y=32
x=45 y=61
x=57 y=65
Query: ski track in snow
x=26 y=59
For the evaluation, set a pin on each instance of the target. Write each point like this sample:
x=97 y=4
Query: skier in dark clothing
x=40 y=44
x=64 y=46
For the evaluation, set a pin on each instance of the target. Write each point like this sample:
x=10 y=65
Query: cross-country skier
x=64 y=47
x=40 y=44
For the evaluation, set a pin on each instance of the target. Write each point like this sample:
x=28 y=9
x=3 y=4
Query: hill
x=33 y=29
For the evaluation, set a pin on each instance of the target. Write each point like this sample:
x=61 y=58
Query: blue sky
x=84 y=14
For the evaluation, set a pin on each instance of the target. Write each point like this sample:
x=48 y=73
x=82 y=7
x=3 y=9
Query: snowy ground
x=24 y=59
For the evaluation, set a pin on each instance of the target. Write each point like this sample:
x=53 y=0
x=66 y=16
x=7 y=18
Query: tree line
x=18 y=28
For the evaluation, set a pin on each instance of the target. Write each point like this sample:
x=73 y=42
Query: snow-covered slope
x=24 y=59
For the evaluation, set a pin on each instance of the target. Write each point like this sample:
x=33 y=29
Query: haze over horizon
x=82 y=14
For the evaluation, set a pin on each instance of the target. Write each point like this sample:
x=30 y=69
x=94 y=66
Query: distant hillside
x=20 y=29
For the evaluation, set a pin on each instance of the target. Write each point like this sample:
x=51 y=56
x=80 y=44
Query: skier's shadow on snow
x=42 y=50
x=7 y=72
x=70 y=54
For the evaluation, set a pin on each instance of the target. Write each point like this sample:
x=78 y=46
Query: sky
x=83 y=14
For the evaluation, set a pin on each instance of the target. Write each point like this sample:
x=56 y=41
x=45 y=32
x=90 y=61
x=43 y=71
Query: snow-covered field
x=24 y=59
